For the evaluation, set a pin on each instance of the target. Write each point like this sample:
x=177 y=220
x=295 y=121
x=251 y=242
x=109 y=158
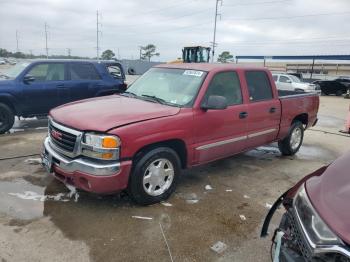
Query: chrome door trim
x=235 y=139
x=220 y=143
x=268 y=131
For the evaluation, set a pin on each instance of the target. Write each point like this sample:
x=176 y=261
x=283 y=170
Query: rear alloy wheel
x=154 y=176
x=291 y=144
x=7 y=118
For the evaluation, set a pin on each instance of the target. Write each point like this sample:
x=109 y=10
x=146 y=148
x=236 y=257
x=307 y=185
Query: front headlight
x=105 y=147
x=313 y=225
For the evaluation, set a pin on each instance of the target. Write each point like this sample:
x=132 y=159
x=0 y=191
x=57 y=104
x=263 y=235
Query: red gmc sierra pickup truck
x=175 y=116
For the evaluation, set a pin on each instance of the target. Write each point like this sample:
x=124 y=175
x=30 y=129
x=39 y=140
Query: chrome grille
x=64 y=139
x=295 y=231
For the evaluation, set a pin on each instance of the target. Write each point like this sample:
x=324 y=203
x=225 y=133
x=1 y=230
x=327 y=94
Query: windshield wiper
x=129 y=94
x=157 y=99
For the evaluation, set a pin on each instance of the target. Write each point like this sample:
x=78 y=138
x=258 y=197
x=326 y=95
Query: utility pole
x=140 y=52
x=69 y=51
x=97 y=36
x=214 y=37
x=31 y=53
x=46 y=48
x=17 y=49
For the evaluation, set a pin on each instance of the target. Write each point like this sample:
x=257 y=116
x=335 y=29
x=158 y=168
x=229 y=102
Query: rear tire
x=291 y=144
x=154 y=176
x=7 y=118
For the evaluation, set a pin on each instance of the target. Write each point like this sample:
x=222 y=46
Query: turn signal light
x=110 y=142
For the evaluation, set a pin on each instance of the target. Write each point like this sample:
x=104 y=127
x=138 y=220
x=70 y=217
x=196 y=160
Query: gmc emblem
x=56 y=134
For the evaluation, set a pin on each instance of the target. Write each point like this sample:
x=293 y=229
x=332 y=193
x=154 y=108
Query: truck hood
x=108 y=112
x=330 y=194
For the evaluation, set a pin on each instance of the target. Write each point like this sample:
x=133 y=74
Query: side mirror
x=288 y=81
x=28 y=79
x=215 y=103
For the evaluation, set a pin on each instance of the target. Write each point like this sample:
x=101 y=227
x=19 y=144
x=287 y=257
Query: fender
x=289 y=194
x=12 y=100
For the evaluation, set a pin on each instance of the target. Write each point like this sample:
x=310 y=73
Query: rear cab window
x=83 y=71
x=259 y=86
x=226 y=84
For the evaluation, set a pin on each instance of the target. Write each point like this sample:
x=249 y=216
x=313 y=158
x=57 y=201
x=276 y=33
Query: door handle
x=243 y=115
x=272 y=110
x=60 y=85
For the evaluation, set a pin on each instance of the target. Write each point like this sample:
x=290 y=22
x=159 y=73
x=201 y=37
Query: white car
x=293 y=83
x=2 y=62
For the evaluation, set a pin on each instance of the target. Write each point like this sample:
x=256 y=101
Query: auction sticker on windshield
x=193 y=73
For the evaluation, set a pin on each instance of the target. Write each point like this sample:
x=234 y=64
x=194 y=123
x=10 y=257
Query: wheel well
x=176 y=144
x=9 y=104
x=303 y=118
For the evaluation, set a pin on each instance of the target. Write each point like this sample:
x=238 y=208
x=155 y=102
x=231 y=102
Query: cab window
x=47 y=72
x=258 y=86
x=226 y=84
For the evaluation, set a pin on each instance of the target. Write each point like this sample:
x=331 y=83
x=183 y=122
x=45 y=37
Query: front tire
x=154 y=176
x=7 y=118
x=291 y=144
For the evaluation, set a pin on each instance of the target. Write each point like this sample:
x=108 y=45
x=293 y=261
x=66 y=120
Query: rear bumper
x=86 y=174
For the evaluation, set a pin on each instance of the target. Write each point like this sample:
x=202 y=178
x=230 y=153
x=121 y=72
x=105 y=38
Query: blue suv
x=33 y=88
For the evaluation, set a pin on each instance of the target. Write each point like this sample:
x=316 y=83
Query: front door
x=220 y=133
x=41 y=94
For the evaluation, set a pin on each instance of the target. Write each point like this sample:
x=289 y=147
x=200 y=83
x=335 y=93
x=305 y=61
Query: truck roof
x=210 y=66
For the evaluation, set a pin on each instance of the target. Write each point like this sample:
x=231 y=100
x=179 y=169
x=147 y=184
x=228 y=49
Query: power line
x=285 y=17
x=259 y=3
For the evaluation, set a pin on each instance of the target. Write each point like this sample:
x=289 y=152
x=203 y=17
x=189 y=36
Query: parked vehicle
x=175 y=116
x=293 y=83
x=316 y=223
x=2 y=61
x=32 y=89
x=338 y=86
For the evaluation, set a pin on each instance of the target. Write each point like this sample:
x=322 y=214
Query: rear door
x=84 y=81
x=41 y=95
x=264 y=109
x=220 y=133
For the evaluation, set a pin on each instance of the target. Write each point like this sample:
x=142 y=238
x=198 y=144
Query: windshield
x=14 y=71
x=294 y=79
x=177 y=87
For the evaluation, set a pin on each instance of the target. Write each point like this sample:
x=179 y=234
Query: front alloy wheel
x=158 y=177
x=154 y=175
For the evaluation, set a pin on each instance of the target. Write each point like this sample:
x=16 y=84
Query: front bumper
x=89 y=175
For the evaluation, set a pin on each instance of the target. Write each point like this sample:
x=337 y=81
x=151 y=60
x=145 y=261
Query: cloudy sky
x=253 y=27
